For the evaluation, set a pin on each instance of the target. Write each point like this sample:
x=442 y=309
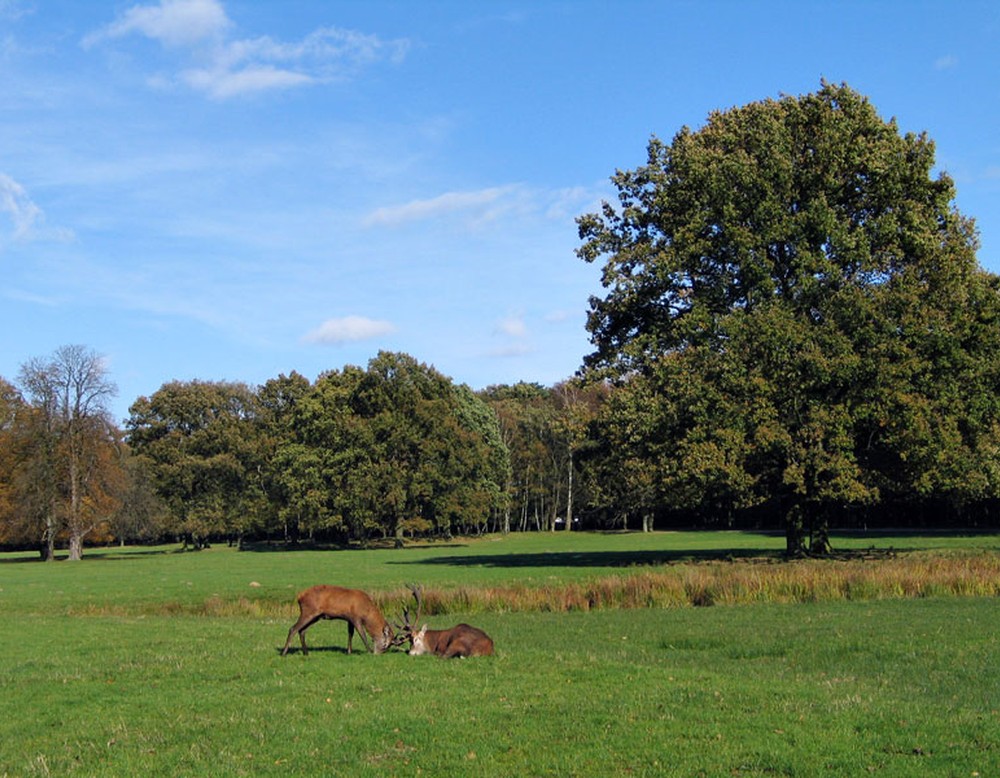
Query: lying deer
x=352 y=605
x=459 y=641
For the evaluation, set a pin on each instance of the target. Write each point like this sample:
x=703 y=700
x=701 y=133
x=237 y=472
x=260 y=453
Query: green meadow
x=147 y=661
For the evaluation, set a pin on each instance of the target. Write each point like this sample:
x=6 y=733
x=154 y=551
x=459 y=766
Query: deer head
x=407 y=630
x=419 y=642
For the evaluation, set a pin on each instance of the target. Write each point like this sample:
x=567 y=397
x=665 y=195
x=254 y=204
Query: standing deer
x=335 y=602
x=460 y=641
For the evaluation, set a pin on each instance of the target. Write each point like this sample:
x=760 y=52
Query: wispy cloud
x=229 y=67
x=349 y=329
x=947 y=62
x=14 y=9
x=513 y=326
x=513 y=330
x=221 y=83
x=19 y=295
x=172 y=23
x=510 y=350
x=482 y=203
x=15 y=204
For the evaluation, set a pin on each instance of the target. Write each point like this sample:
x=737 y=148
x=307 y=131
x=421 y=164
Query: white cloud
x=26 y=219
x=349 y=329
x=18 y=207
x=513 y=330
x=322 y=48
x=172 y=22
x=513 y=326
x=250 y=65
x=485 y=203
x=221 y=83
x=947 y=62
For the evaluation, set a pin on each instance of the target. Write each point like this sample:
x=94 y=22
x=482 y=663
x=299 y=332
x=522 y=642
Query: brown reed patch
x=734 y=582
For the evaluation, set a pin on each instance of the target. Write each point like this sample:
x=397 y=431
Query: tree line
x=393 y=450
x=795 y=332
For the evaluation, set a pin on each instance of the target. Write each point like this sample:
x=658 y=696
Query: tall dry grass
x=679 y=585
x=731 y=583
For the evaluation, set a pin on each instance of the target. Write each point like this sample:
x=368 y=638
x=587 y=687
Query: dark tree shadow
x=595 y=558
x=319 y=650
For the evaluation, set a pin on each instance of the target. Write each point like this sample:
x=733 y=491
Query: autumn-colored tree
x=11 y=408
x=70 y=465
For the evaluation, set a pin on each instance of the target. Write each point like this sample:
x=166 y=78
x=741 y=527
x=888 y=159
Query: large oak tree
x=802 y=299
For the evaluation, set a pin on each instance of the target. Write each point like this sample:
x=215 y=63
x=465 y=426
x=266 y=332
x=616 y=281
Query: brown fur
x=335 y=602
x=460 y=640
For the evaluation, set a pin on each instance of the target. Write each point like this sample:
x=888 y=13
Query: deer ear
x=423 y=630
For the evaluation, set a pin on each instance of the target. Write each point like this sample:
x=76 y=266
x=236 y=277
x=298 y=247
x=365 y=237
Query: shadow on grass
x=878 y=534
x=597 y=558
x=89 y=555
x=386 y=543
x=318 y=650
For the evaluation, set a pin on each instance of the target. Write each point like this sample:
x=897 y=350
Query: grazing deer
x=352 y=605
x=459 y=641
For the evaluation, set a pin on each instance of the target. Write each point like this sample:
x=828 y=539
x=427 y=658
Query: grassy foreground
x=135 y=663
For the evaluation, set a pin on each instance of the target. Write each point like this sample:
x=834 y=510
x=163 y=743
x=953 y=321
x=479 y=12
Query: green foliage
x=386 y=450
x=795 y=305
x=200 y=442
x=546 y=430
x=380 y=451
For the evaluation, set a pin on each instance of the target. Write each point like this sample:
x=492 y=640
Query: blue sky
x=235 y=189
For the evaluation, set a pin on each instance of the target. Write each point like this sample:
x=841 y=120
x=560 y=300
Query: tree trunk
x=505 y=525
x=49 y=538
x=819 y=537
x=793 y=532
x=569 y=495
x=75 y=547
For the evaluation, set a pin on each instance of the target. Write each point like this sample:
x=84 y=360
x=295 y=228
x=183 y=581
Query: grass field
x=150 y=662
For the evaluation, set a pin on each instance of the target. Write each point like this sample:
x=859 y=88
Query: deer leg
x=298 y=628
x=350 y=634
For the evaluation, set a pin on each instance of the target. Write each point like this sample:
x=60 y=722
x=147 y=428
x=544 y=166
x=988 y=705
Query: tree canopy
x=802 y=300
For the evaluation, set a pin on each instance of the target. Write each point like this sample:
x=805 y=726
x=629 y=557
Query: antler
x=416 y=595
x=405 y=630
